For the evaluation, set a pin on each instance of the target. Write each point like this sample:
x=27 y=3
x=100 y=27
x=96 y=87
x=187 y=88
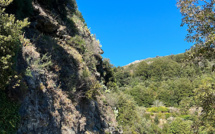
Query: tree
x=199 y=16
x=142 y=70
x=164 y=69
x=205 y=96
x=108 y=74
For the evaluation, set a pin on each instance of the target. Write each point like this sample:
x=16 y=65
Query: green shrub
x=79 y=43
x=167 y=115
x=152 y=109
x=163 y=109
x=147 y=116
x=156 y=120
x=158 y=109
x=186 y=117
x=10 y=31
x=178 y=126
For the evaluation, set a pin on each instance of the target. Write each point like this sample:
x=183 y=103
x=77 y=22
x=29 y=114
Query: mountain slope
x=60 y=69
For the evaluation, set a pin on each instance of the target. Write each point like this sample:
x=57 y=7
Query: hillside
x=51 y=71
x=54 y=80
x=169 y=94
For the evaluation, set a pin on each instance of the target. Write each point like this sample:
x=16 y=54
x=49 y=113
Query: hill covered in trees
x=173 y=94
x=164 y=95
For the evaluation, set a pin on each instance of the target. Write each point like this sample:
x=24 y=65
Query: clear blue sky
x=134 y=30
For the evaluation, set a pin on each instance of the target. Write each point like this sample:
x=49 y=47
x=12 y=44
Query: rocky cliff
x=61 y=68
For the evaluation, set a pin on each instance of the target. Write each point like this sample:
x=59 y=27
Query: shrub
x=10 y=31
x=147 y=116
x=178 y=126
x=163 y=109
x=79 y=43
x=167 y=115
x=156 y=120
x=186 y=117
x=158 y=109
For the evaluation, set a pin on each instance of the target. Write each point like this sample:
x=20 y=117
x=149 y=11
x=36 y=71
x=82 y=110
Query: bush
x=79 y=43
x=156 y=120
x=186 y=117
x=178 y=126
x=10 y=31
x=167 y=115
x=158 y=109
x=143 y=96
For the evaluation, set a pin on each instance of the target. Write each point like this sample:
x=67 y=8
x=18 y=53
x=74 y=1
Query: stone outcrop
x=59 y=77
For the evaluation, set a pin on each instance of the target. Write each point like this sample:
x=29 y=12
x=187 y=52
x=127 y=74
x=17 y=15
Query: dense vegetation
x=172 y=94
x=165 y=95
x=10 y=35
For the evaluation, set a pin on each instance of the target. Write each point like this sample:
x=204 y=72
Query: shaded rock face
x=57 y=81
x=45 y=25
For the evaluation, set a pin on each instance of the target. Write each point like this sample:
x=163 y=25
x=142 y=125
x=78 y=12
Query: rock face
x=62 y=73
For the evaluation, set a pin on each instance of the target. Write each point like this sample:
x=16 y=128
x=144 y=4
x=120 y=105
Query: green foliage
x=186 y=117
x=142 y=96
x=164 y=69
x=185 y=104
x=167 y=115
x=5 y=3
x=10 y=31
x=179 y=126
x=127 y=114
x=80 y=16
x=86 y=73
x=156 y=120
x=94 y=90
x=79 y=43
x=184 y=81
x=9 y=117
x=142 y=69
x=177 y=84
x=122 y=76
x=158 y=109
x=175 y=91
x=199 y=17
x=205 y=96
x=108 y=74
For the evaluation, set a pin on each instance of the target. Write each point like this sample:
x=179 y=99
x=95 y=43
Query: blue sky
x=134 y=30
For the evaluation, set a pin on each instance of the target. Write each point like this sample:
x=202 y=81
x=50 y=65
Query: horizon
x=146 y=30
